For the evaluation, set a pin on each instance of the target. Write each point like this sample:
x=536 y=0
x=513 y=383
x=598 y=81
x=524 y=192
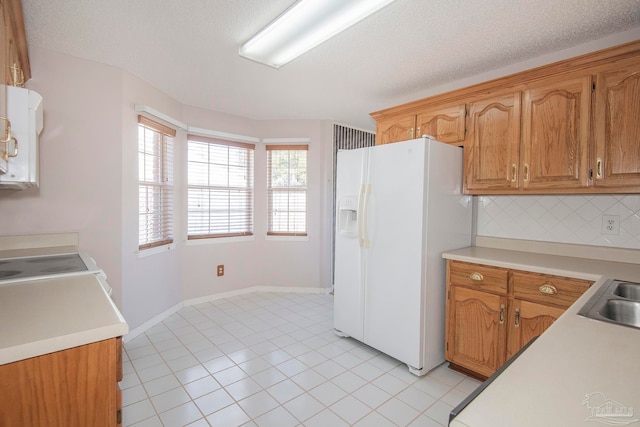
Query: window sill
x=216 y=240
x=288 y=238
x=155 y=250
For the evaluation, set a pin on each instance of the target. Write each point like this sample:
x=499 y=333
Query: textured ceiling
x=188 y=48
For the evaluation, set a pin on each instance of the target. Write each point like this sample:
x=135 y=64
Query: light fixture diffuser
x=305 y=25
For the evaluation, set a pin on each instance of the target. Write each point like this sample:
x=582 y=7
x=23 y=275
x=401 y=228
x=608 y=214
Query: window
x=220 y=188
x=155 y=183
x=287 y=190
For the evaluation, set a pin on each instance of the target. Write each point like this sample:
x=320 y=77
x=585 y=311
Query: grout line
x=307 y=311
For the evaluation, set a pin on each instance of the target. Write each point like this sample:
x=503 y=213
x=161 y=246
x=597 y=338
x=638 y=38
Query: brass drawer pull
x=476 y=276
x=548 y=289
x=7 y=133
x=501 y=314
x=517 y=319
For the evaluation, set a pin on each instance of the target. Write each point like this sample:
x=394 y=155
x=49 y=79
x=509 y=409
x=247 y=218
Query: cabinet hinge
x=119 y=417
x=590 y=174
x=448 y=294
x=593 y=86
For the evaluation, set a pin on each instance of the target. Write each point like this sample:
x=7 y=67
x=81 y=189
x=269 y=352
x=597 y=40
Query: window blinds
x=287 y=190
x=220 y=188
x=155 y=183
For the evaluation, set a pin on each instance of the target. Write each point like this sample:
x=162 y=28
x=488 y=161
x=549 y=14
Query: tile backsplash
x=574 y=219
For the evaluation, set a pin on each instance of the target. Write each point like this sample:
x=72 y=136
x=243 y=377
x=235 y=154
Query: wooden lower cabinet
x=475 y=330
x=77 y=387
x=527 y=320
x=493 y=312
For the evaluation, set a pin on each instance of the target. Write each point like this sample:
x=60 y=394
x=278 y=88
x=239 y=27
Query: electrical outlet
x=611 y=224
x=220 y=270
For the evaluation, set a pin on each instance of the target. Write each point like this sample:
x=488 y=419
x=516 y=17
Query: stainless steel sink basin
x=622 y=311
x=616 y=302
x=628 y=290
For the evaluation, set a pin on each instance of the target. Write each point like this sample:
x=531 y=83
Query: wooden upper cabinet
x=555 y=134
x=4 y=46
x=444 y=123
x=13 y=56
x=570 y=127
x=616 y=159
x=14 y=44
x=492 y=150
x=4 y=68
x=396 y=129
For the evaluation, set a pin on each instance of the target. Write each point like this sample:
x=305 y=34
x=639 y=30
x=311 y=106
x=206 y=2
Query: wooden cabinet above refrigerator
x=565 y=128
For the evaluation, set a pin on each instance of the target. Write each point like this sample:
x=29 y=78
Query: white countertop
x=575 y=366
x=43 y=316
x=579 y=268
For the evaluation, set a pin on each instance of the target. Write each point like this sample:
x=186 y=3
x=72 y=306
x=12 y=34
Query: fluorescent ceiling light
x=304 y=26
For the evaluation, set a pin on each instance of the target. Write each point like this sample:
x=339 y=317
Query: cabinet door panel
x=555 y=134
x=617 y=126
x=445 y=124
x=395 y=130
x=16 y=42
x=528 y=320
x=492 y=148
x=475 y=332
x=71 y=388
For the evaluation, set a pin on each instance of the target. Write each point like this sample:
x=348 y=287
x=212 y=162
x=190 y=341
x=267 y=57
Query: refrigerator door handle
x=367 y=193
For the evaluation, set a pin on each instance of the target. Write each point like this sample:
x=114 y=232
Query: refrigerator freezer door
x=349 y=261
x=394 y=209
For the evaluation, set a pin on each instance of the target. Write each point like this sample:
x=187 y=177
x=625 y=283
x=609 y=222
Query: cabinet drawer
x=490 y=279
x=546 y=289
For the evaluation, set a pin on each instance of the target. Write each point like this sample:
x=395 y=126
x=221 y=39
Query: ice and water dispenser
x=348 y=215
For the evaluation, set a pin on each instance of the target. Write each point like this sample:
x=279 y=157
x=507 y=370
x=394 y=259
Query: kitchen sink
x=616 y=302
x=628 y=290
x=624 y=312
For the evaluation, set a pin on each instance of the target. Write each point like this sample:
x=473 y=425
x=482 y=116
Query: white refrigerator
x=399 y=206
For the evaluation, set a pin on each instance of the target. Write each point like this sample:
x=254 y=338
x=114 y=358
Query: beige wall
x=80 y=160
x=260 y=262
x=150 y=284
x=89 y=185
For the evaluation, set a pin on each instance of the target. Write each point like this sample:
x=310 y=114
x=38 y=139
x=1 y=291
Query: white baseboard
x=222 y=295
x=213 y=297
x=151 y=322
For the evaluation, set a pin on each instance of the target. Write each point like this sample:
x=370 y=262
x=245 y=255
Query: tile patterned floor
x=272 y=359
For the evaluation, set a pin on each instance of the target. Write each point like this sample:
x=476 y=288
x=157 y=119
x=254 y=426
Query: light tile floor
x=272 y=359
